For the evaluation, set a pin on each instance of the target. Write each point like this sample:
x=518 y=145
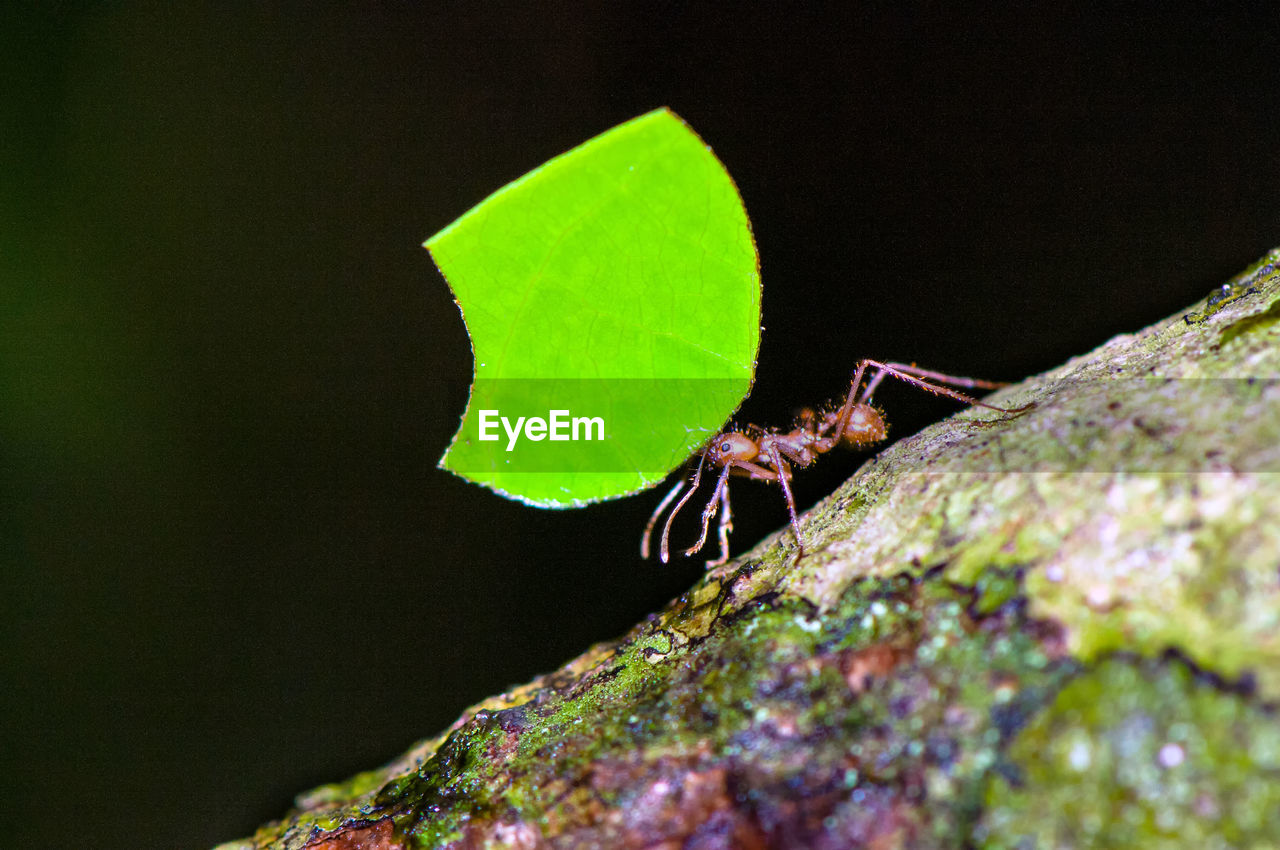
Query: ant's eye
x=726 y=446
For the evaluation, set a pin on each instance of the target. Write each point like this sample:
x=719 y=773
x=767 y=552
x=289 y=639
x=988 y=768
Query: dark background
x=227 y=368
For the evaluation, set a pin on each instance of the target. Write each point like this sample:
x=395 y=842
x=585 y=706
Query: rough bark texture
x=1060 y=629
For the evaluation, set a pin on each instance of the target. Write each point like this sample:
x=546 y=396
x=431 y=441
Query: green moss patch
x=1140 y=754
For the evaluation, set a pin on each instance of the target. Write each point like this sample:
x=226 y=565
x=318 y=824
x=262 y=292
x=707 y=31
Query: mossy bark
x=1055 y=629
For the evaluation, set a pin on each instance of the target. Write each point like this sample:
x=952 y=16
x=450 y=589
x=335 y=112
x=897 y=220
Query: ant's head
x=866 y=427
x=731 y=446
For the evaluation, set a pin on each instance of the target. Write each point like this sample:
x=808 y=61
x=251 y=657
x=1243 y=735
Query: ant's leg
x=907 y=374
x=784 y=478
x=664 y=553
x=754 y=471
x=722 y=486
x=846 y=410
x=884 y=369
x=653 y=520
x=726 y=526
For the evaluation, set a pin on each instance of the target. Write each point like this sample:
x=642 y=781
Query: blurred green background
x=227 y=368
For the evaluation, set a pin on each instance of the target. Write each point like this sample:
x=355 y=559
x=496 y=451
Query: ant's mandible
x=769 y=455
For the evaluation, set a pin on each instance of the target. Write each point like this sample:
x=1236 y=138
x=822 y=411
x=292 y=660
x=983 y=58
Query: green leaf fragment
x=618 y=282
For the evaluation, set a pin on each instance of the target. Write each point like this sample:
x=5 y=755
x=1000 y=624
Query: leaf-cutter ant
x=769 y=455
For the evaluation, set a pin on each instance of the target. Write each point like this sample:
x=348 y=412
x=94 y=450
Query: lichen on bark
x=1055 y=629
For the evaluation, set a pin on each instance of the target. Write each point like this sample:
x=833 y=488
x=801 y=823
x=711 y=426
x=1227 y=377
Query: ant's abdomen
x=866 y=427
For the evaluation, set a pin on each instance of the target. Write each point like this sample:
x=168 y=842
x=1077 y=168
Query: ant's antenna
x=664 y=551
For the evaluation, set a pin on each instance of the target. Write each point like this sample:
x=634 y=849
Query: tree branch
x=1056 y=628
